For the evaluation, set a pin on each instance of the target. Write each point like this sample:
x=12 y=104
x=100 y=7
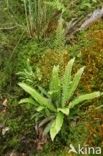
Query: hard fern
x=55 y=84
x=59 y=41
x=55 y=105
x=67 y=80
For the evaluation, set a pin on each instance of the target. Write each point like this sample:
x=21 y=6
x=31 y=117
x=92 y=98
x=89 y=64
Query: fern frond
x=59 y=37
x=84 y=97
x=67 y=81
x=56 y=125
x=75 y=82
x=37 y=96
x=28 y=100
x=55 y=84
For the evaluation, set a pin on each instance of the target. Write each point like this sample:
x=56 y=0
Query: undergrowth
x=43 y=51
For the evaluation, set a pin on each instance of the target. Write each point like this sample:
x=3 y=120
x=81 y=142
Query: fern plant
x=52 y=105
x=59 y=39
x=56 y=4
x=29 y=75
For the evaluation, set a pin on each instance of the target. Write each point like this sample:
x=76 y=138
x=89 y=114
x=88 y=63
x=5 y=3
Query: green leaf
x=56 y=125
x=99 y=107
x=67 y=81
x=27 y=100
x=47 y=128
x=75 y=82
x=64 y=110
x=82 y=98
x=57 y=5
x=95 y=1
x=37 y=96
x=101 y=93
x=55 y=86
x=43 y=91
x=39 y=109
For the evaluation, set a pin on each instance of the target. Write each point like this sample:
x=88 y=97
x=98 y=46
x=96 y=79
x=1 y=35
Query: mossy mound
x=94 y=125
x=48 y=60
x=92 y=57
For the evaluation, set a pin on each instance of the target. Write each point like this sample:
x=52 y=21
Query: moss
x=92 y=57
x=94 y=125
x=48 y=60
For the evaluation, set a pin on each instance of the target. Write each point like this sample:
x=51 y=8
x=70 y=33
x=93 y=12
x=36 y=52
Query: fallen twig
x=95 y=16
x=76 y=25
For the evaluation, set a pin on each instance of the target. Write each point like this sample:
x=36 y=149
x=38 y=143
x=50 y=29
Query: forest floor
x=17 y=128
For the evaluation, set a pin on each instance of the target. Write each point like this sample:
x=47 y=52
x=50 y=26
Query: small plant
x=59 y=40
x=57 y=4
x=27 y=75
x=53 y=106
x=87 y=3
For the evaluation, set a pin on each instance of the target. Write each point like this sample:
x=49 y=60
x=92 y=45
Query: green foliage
x=59 y=39
x=37 y=16
x=55 y=86
x=33 y=17
x=39 y=99
x=82 y=98
x=55 y=103
x=27 y=75
x=56 y=125
x=57 y=4
x=25 y=51
x=67 y=80
x=87 y=3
